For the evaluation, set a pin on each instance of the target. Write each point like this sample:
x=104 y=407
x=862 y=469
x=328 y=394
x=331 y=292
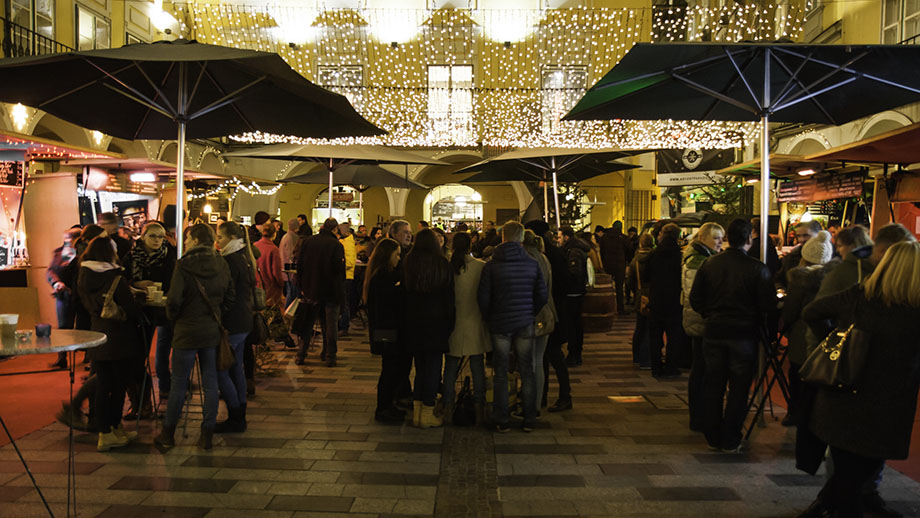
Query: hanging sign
x=343 y=196
x=825 y=188
x=11 y=173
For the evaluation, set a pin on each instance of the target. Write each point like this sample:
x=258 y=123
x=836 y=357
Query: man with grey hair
x=511 y=293
x=289 y=243
x=400 y=231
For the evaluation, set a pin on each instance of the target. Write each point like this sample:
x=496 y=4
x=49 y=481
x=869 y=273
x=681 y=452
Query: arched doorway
x=450 y=204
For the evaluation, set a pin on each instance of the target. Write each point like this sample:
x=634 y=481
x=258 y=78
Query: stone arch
x=881 y=123
x=50 y=127
x=807 y=144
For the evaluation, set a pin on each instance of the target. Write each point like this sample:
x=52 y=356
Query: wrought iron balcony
x=21 y=41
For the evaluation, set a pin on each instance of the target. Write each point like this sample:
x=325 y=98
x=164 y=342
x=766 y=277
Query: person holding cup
x=149 y=267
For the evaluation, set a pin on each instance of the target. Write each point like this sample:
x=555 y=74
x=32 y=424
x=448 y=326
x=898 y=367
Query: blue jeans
x=161 y=361
x=183 y=361
x=539 y=349
x=452 y=367
x=523 y=342
x=291 y=291
x=232 y=382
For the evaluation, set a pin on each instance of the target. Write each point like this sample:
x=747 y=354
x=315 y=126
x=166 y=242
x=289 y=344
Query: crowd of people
x=509 y=299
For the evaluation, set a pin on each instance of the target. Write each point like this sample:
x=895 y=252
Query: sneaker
x=300 y=361
x=736 y=449
x=107 y=441
x=518 y=413
x=330 y=362
x=71 y=417
x=390 y=415
x=502 y=428
x=528 y=427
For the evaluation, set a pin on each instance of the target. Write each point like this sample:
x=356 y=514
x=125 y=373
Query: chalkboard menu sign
x=831 y=187
x=11 y=173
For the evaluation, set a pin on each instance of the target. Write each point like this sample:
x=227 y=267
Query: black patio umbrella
x=182 y=88
x=769 y=82
x=548 y=164
x=336 y=156
x=360 y=176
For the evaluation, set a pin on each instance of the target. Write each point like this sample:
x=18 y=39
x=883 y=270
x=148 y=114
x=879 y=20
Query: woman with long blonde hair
x=872 y=423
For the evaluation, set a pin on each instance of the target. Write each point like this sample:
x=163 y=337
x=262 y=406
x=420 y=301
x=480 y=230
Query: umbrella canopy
x=366 y=175
x=544 y=164
x=893 y=147
x=522 y=173
x=140 y=91
x=180 y=88
x=781 y=82
x=336 y=156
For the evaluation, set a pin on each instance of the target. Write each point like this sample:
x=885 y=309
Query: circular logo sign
x=691 y=158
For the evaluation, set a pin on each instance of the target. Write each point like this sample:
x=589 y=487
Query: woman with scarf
x=101 y=278
x=152 y=261
x=238 y=320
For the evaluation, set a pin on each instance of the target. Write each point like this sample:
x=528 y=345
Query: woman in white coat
x=470 y=337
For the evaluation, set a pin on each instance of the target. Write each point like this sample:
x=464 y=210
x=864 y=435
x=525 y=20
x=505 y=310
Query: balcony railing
x=913 y=40
x=21 y=41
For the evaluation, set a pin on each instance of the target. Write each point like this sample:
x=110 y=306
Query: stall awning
x=900 y=146
x=781 y=166
x=18 y=146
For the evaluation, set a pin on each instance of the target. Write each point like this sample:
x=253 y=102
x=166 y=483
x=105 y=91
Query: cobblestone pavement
x=314 y=450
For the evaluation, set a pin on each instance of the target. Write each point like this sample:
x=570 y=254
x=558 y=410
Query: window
x=93 y=32
x=44 y=18
x=563 y=86
x=450 y=102
x=344 y=79
x=21 y=12
x=900 y=20
x=131 y=39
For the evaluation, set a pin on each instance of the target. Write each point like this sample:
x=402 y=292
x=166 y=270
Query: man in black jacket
x=733 y=292
x=615 y=256
x=576 y=256
x=321 y=271
x=665 y=311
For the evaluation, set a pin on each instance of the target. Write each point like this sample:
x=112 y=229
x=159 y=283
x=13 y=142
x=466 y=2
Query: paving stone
x=694 y=494
x=174 y=484
x=334 y=504
x=145 y=511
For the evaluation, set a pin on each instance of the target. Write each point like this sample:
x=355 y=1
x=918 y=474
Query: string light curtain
x=391 y=54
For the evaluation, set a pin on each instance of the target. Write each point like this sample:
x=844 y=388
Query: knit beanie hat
x=819 y=249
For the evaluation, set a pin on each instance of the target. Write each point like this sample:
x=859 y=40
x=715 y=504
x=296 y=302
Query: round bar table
x=61 y=340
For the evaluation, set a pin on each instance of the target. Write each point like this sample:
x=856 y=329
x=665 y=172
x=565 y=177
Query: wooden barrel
x=600 y=306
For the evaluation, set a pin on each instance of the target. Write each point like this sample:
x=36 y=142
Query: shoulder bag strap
x=207 y=300
x=859 y=269
x=109 y=295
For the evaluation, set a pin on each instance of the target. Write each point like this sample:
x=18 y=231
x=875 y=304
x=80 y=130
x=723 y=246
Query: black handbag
x=838 y=360
x=465 y=406
x=260 y=332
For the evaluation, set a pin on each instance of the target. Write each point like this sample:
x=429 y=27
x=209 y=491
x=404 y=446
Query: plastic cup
x=8 y=323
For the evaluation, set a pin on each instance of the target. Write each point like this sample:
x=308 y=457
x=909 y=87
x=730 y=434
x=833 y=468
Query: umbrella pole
x=764 y=187
x=180 y=188
x=545 y=200
x=330 y=187
x=556 y=198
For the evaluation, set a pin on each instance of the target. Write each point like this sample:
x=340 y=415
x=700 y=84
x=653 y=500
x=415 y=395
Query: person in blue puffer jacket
x=511 y=293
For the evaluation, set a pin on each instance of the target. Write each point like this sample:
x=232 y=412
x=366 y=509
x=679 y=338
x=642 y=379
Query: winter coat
x=123 y=337
x=546 y=319
x=63 y=271
x=321 y=268
x=614 y=249
x=638 y=270
x=470 y=334
x=772 y=262
x=664 y=282
x=194 y=326
x=386 y=311
x=160 y=271
x=804 y=282
x=576 y=257
x=512 y=289
x=789 y=261
x=734 y=292
x=122 y=246
x=238 y=317
x=289 y=244
x=842 y=275
x=694 y=256
x=270 y=271
x=430 y=317
x=351 y=255
x=875 y=421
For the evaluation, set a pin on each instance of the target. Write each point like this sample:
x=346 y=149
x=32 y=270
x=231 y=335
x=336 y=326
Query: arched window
x=448 y=205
